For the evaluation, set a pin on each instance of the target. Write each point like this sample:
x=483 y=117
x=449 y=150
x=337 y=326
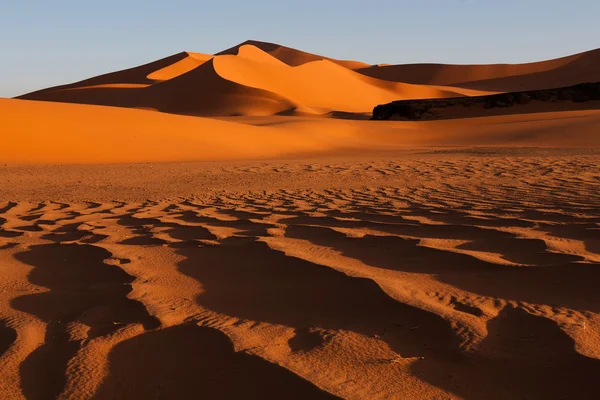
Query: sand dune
x=200 y=227
x=123 y=135
x=193 y=60
x=245 y=80
x=292 y=57
x=566 y=71
x=257 y=78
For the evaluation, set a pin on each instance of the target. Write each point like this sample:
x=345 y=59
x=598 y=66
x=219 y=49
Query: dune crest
x=291 y=57
x=180 y=67
x=253 y=78
x=564 y=71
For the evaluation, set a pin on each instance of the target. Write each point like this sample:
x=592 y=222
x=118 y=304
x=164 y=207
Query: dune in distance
x=236 y=226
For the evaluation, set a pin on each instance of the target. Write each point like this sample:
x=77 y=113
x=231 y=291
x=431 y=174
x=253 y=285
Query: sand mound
x=322 y=86
x=258 y=78
x=95 y=134
x=180 y=67
x=136 y=75
x=566 y=71
x=291 y=57
x=204 y=91
x=245 y=81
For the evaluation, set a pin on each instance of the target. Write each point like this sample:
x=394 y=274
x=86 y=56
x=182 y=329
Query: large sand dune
x=197 y=228
x=566 y=71
x=292 y=57
x=258 y=78
x=250 y=79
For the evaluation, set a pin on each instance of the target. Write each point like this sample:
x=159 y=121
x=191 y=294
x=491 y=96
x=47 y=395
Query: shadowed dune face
x=553 y=271
x=176 y=138
x=538 y=285
x=249 y=82
x=43 y=371
x=565 y=71
x=188 y=361
x=81 y=287
x=257 y=78
x=7 y=337
x=404 y=252
x=289 y=56
x=193 y=60
x=532 y=353
x=135 y=75
x=304 y=295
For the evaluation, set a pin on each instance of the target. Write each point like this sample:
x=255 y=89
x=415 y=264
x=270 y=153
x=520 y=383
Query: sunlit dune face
x=73 y=133
x=258 y=79
x=180 y=67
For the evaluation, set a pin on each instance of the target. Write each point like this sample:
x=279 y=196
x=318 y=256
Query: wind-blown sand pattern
x=257 y=238
x=476 y=280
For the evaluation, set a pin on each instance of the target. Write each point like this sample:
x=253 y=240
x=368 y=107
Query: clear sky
x=50 y=42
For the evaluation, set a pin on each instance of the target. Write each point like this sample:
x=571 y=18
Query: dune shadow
x=7 y=207
x=188 y=361
x=508 y=245
x=71 y=232
x=246 y=279
x=244 y=225
x=10 y=234
x=82 y=288
x=142 y=227
x=7 y=337
x=523 y=357
x=576 y=283
x=43 y=371
x=537 y=285
x=390 y=252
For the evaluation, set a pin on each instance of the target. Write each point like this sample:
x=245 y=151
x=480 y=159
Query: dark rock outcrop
x=431 y=108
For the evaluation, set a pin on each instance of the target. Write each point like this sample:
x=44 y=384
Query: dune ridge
x=291 y=57
x=260 y=78
x=247 y=81
x=564 y=71
x=268 y=79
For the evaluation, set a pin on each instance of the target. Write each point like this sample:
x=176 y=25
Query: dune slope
x=245 y=80
x=74 y=133
x=292 y=57
x=565 y=71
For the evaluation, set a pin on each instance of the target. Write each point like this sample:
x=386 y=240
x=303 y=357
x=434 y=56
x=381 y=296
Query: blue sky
x=45 y=43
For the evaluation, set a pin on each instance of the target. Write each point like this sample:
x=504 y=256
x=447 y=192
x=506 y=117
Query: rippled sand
x=439 y=274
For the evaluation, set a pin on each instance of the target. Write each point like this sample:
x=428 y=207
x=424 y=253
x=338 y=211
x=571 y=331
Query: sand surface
x=246 y=254
x=448 y=273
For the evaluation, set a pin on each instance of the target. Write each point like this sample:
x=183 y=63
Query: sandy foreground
x=287 y=248
x=423 y=273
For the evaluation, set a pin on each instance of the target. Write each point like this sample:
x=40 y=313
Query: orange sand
x=281 y=246
x=565 y=71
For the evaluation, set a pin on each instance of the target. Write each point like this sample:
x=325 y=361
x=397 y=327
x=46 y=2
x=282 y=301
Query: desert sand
x=232 y=226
